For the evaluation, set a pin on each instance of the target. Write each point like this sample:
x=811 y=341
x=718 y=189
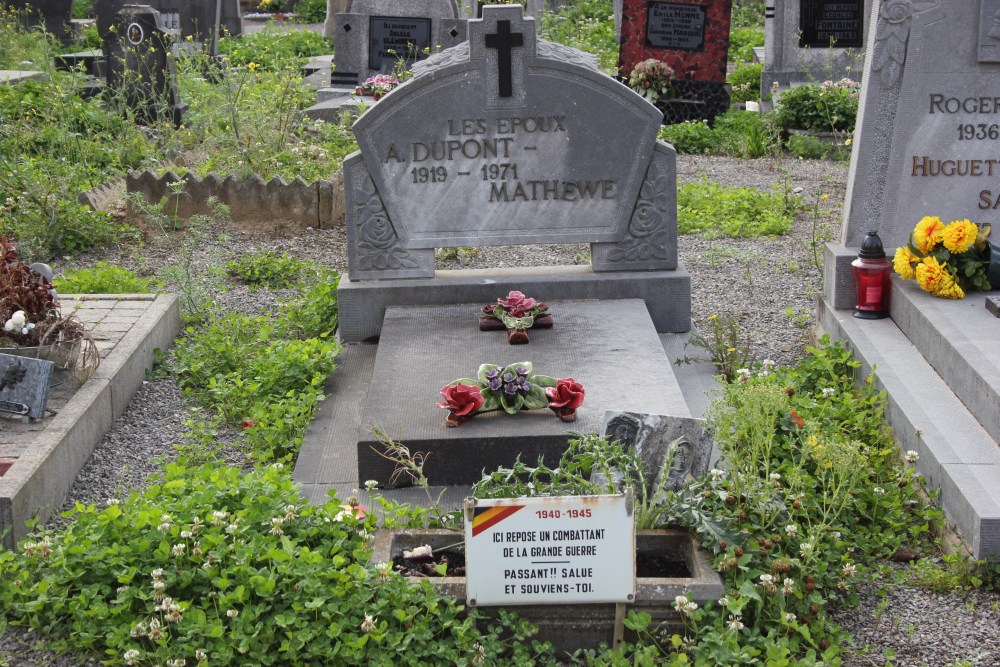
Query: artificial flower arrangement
x=271 y=5
x=511 y=389
x=946 y=260
x=651 y=79
x=517 y=313
x=377 y=86
x=31 y=315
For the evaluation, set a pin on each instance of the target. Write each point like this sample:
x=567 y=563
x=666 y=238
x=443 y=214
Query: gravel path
x=769 y=285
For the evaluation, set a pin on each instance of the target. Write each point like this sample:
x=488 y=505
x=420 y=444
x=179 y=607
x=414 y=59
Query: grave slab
x=611 y=347
x=18 y=75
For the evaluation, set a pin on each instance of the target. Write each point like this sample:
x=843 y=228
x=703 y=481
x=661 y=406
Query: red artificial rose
x=568 y=393
x=355 y=510
x=516 y=304
x=462 y=399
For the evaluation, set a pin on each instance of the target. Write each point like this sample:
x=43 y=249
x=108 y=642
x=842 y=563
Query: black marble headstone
x=139 y=67
x=194 y=18
x=55 y=14
x=397 y=38
x=826 y=23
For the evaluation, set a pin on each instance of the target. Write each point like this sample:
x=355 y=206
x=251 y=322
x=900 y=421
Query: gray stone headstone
x=929 y=119
x=683 y=442
x=24 y=385
x=375 y=34
x=797 y=41
x=509 y=141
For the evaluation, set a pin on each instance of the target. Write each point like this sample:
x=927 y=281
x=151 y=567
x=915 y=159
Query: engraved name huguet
x=971 y=124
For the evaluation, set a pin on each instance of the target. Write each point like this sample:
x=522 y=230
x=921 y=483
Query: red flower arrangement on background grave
x=511 y=389
x=517 y=313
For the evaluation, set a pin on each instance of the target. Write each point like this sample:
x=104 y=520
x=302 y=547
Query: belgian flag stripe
x=488 y=517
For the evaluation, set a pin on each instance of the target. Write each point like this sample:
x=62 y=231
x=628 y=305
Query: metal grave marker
x=563 y=550
x=24 y=385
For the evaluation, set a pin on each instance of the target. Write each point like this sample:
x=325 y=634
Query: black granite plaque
x=826 y=23
x=670 y=25
x=397 y=38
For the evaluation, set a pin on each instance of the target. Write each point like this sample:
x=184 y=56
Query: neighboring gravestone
x=376 y=34
x=139 y=66
x=24 y=385
x=508 y=141
x=193 y=18
x=56 y=15
x=657 y=440
x=692 y=37
x=531 y=7
x=334 y=7
x=929 y=120
x=813 y=41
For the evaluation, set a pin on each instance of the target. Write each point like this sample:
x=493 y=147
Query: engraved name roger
x=970 y=113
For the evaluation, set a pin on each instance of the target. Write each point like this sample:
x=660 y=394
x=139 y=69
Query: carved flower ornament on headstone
x=512 y=388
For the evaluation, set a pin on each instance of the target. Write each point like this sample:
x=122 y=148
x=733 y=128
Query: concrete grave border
x=36 y=483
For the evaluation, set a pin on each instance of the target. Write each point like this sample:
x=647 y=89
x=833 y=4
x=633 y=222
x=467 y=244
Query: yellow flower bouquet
x=946 y=260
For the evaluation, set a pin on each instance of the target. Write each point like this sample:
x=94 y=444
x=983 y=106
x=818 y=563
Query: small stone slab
x=993 y=305
x=611 y=347
x=24 y=385
x=19 y=75
x=654 y=436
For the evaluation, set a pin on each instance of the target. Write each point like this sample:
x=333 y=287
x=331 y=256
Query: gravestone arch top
x=503 y=143
x=509 y=140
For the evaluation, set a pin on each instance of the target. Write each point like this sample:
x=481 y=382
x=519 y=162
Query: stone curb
x=319 y=204
x=956 y=454
x=38 y=481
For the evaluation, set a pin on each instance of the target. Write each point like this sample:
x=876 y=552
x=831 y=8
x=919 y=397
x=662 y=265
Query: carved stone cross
x=503 y=40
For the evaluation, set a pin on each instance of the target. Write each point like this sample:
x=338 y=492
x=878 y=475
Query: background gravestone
x=55 y=14
x=194 y=18
x=334 y=7
x=929 y=120
x=692 y=36
x=531 y=7
x=139 y=66
x=364 y=37
x=797 y=41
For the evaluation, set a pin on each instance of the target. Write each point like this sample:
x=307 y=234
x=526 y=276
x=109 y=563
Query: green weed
x=104 y=278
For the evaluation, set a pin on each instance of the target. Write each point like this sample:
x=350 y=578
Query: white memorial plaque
x=564 y=550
